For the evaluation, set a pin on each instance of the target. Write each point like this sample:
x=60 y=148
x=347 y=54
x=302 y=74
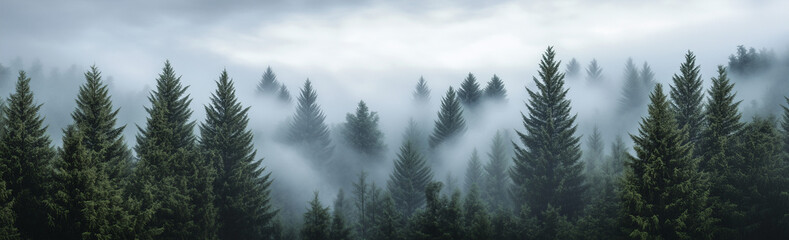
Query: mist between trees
x=639 y=158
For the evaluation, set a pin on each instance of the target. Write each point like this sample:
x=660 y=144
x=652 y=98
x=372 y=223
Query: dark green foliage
x=362 y=133
x=241 y=186
x=308 y=131
x=602 y=215
x=757 y=184
x=441 y=219
x=505 y=225
x=686 y=98
x=747 y=63
x=474 y=172
x=390 y=225
x=469 y=92
x=475 y=216
x=7 y=227
x=664 y=195
x=284 y=95
x=547 y=169
x=495 y=90
x=174 y=180
x=361 y=193
x=594 y=73
x=85 y=197
x=2 y=117
x=617 y=159
x=96 y=119
x=422 y=92
x=268 y=84
x=450 y=123
x=573 y=68
x=339 y=230
x=26 y=155
x=409 y=179
x=316 y=221
x=647 y=78
x=496 y=181
x=416 y=135
x=343 y=206
x=634 y=93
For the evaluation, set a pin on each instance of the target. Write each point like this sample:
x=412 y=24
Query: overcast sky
x=368 y=48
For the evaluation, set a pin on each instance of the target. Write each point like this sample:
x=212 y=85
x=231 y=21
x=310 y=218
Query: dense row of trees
x=697 y=170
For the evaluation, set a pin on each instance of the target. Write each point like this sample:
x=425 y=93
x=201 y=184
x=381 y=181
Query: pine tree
x=2 y=118
x=268 y=84
x=416 y=135
x=408 y=180
x=594 y=145
x=495 y=90
x=96 y=119
x=594 y=73
x=647 y=79
x=284 y=95
x=573 y=68
x=633 y=95
x=617 y=159
x=547 y=167
x=7 y=215
x=361 y=194
x=362 y=132
x=339 y=230
x=390 y=226
x=758 y=185
x=469 y=92
x=242 y=188
x=496 y=179
x=686 y=98
x=316 y=221
x=308 y=129
x=450 y=123
x=26 y=155
x=442 y=219
x=475 y=216
x=474 y=172
x=173 y=178
x=664 y=195
x=85 y=194
x=422 y=92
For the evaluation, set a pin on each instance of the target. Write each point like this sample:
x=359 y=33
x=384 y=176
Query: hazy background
x=373 y=51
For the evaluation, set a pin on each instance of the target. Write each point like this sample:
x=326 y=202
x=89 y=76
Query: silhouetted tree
x=268 y=84
x=469 y=92
x=495 y=90
x=308 y=130
x=594 y=73
x=408 y=180
x=686 y=99
x=316 y=221
x=496 y=181
x=422 y=92
x=362 y=133
x=450 y=123
x=573 y=68
x=474 y=172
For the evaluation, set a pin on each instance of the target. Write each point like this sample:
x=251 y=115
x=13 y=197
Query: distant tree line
x=697 y=170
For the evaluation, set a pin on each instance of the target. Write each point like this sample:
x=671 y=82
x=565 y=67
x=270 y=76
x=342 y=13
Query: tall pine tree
x=474 y=172
x=308 y=129
x=7 y=215
x=594 y=73
x=469 y=92
x=268 y=84
x=687 y=97
x=408 y=180
x=362 y=133
x=496 y=180
x=450 y=123
x=284 y=95
x=241 y=185
x=421 y=92
x=664 y=195
x=573 y=68
x=495 y=90
x=96 y=119
x=633 y=95
x=547 y=169
x=174 y=180
x=26 y=154
x=316 y=221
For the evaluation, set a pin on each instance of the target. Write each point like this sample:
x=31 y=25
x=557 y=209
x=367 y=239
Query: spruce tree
x=416 y=135
x=316 y=221
x=408 y=180
x=174 y=180
x=241 y=186
x=2 y=117
x=342 y=205
x=441 y=219
x=96 y=119
x=474 y=172
x=594 y=154
x=284 y=95
x=268 y=84
x=26 y=154
x=85 y=194
x=475 y=216
x=361 y=194
x=496 y=179
x=308 y=129
x=573 y=68
x=756 y=185
x=664 y=195
x=450 y=123
x=495 y=90
x=547 y=169
x=390 y=227
x=647 y=79
x=469 y=92
x=421 y=92
x=687 y=97
x=7 y=215
x=594 y=73
x=339 y=230
x=633 y=95
x=362 y=133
